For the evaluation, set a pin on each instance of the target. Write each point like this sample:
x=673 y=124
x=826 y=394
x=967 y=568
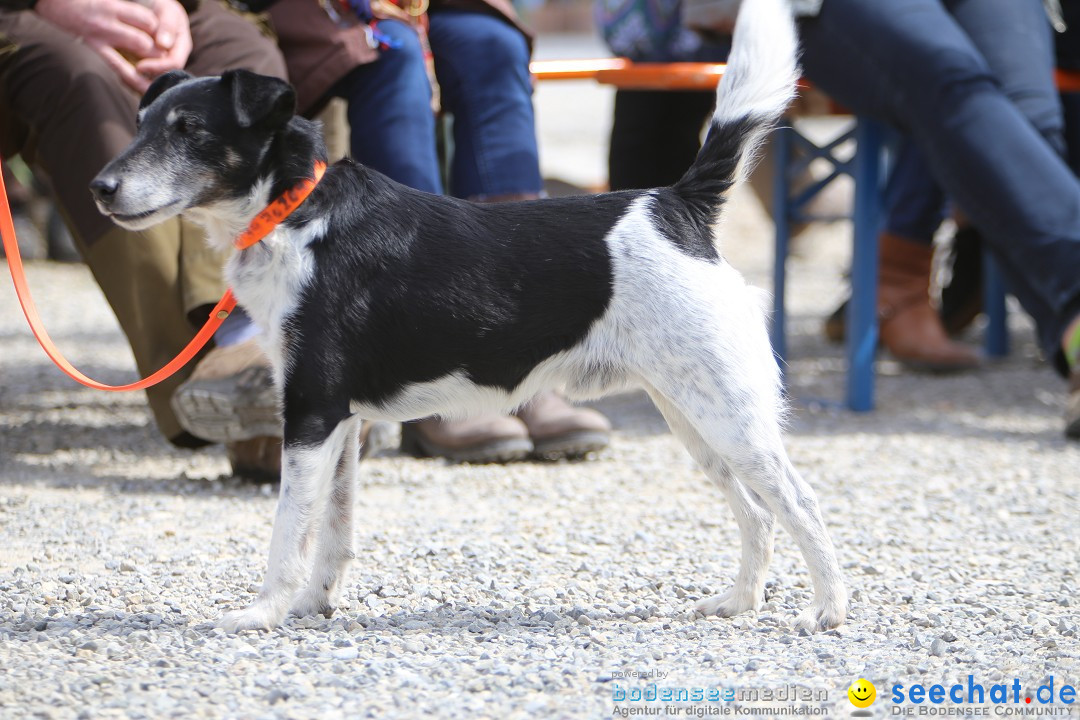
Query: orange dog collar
x=277 y=211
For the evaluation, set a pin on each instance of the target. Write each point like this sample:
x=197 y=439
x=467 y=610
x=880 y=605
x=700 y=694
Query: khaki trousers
x=67 y=114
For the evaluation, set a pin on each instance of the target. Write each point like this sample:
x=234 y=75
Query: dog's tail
x=754 y=91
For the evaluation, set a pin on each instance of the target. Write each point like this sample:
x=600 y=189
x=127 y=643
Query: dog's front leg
x=307 y=472
x=335 y=537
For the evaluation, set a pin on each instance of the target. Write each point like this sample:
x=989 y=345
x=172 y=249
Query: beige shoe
x=484 y=439
x=558 y=429
x=230 y=396
x=256 y=459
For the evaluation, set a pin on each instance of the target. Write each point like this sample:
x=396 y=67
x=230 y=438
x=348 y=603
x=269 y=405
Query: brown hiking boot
x=558 y=429
x=910 y=327
x=230 y=396
x=257 y=459
x=483 y=439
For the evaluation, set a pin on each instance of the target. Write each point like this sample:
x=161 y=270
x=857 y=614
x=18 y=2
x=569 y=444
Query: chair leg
x=862 y=327
x=782 y=213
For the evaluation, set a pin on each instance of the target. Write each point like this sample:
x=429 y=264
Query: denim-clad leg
x=390 y=117
x=1002 y=31
x=1017 y=41
x=482 y=64
x=913 y=203
x=910 y=63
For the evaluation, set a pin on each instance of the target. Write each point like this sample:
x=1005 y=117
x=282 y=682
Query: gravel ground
x=534 y=590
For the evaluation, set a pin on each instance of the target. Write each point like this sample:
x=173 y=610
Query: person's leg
x=77 y=116
x=910 y=327
x=1003 y=31
x=233 y=385
x=391 y=121
x=1016 y=40
x=913 y=204
x=655 y=136
x=482 y=65
x=67 y=113
x=392 y=126
x=1070 y=105
x=913 y=65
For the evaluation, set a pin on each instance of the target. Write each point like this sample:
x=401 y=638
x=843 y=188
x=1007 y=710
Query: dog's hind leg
x=755 y=520
x=736 y=415
x=310 y=460
x=334 y=548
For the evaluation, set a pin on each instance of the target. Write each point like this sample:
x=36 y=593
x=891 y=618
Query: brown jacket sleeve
x=17 y=4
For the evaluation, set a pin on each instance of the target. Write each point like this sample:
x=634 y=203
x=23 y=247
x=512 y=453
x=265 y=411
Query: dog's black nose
x=104 y=187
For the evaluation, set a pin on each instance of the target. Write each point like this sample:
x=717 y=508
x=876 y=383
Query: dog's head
x=200 y=141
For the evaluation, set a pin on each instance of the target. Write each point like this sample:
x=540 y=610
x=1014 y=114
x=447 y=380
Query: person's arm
x=17 y=4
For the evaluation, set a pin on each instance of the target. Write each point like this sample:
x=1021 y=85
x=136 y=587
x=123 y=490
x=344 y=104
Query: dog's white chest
x=268 y=281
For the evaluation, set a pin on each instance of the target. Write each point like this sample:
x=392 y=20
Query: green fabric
x=1072 y=348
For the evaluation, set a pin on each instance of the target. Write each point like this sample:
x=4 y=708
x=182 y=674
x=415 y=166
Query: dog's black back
x=412 y=287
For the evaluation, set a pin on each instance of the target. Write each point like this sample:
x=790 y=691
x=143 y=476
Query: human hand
x=173 y=37
x=119 y=29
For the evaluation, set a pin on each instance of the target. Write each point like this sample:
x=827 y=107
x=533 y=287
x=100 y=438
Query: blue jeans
x=1018 y=48
x=912 y=63
x=482 y=66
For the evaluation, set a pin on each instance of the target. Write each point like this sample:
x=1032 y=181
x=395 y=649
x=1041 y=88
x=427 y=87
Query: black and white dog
x=381 y=302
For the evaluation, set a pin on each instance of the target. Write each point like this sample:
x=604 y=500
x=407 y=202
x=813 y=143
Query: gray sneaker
x=230 y=396
x=487 y=438
x=560 y=430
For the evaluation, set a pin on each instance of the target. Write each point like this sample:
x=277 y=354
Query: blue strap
x=385 y=41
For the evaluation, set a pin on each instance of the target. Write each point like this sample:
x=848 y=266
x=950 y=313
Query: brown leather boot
x=257 y=458
x=483 y=439
x=558 y=429
x=910 y=327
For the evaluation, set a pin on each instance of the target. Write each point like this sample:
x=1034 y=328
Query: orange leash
x=278 y=210
x=263 y=223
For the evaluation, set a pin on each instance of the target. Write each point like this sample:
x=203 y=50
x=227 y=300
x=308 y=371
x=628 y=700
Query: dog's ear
x=161 y=84
x=260 y=100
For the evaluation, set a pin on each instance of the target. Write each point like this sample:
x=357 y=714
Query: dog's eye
x=185 y=124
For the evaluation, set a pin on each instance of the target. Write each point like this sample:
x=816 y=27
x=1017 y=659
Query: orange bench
x=627 y=75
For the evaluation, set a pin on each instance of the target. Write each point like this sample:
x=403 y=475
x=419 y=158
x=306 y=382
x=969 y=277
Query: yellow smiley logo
x=862 y=693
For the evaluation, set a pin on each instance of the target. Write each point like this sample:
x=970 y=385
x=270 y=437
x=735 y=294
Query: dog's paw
x=257 y=616
x=732 y=602
x=822 y=616
x=312 y=602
